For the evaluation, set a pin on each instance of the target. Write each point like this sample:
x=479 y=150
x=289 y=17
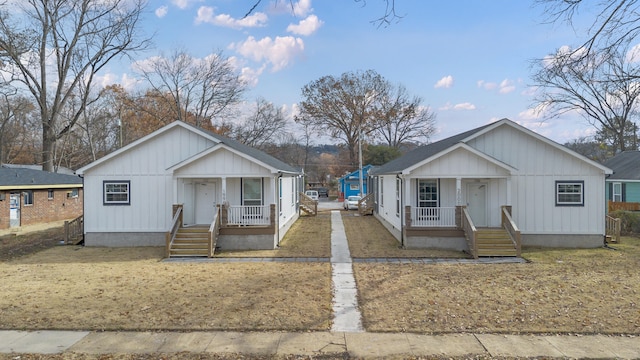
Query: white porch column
x=458 y=191
x=223 y=189
x=508 y=191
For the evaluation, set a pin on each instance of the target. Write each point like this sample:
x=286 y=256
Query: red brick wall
x=43 y=210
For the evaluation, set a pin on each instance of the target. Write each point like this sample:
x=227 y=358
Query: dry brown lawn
x=68 y=287
x=558 y=291
x=369 y=239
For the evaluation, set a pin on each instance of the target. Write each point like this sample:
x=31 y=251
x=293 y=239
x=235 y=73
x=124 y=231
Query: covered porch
x=465 y=213
x=223 y=212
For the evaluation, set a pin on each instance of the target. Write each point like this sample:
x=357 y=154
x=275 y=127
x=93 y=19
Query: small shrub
x=630 y=221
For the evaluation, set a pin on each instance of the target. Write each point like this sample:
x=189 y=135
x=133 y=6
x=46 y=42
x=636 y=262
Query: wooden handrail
x=613 y=227
x=214 y=230
x=309 y=202
x=470 y=232
x=365 y=205
x=512 y=229
x=73 y=229
x=175 y=225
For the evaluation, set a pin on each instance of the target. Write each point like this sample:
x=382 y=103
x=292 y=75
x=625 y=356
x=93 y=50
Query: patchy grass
x=369 y=239
x=16 y=245
x=560 y=291
x=310 y=236
x=70 y=287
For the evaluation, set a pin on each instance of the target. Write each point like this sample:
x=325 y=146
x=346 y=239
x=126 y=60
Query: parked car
x=323 y=192
x=351 y=202
x=313 y=194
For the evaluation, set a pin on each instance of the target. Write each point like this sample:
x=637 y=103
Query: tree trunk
x=48 y=147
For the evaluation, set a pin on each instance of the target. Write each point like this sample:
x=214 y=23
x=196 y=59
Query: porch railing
x=613 y=228
x=74 y=230
x=214 y=231
x=470 y=232
x=365 y=205
x=433 y=217
x=511 y=227
x=248 y=215
x=175 y=226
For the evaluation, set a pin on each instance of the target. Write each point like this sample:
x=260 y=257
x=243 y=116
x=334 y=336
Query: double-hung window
x=116 y=192
x=569 y=193
x=252 y=198
x=428 y=199
x=617 y=192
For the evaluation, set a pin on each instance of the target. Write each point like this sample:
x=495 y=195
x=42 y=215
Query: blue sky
x=470 y=61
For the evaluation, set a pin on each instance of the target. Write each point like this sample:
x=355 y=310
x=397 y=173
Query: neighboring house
x=623 y=186
x=30 y=197
x=350 y=183
x=448 y=194
x=134 y=194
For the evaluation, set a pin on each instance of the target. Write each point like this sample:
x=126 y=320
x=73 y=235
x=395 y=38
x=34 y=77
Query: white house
x=181 y=176
x=522 y=186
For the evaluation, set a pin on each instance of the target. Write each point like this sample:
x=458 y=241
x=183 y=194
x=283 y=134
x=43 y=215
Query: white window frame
x=251 y=201
x=27 y=197
x=616 y=190
x=562 y=190
x=106 y=192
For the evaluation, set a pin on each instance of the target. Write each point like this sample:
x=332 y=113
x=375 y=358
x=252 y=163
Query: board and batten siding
x=539 y=165
x=145 y=166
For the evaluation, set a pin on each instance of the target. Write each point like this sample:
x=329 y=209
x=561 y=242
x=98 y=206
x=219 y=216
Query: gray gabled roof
x=17 y=178
x=625 y=166
x=253 y=152
x=423 y=152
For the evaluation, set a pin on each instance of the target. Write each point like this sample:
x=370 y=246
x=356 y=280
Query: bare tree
x=15 y=112
x=54 y=47
x=402 y=118
x=266 y=124
x=617 y=23
x=199 y=89
x=344 y=107
x=599 y=86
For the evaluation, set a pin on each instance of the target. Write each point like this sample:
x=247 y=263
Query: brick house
x=30 y=197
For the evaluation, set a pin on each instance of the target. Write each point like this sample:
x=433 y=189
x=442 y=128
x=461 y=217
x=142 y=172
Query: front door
x=14 y=210
x=477 y=203
x=205 y=202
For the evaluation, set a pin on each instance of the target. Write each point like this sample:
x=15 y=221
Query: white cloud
x=307 y=26
x=446 y=82
x=279 y=52
x=506 y=86
x=301 y=8
x=206 y=14
x=162 y=11
x=633 y=56
x=487 y=85
x=460 y=106
x=183 y=4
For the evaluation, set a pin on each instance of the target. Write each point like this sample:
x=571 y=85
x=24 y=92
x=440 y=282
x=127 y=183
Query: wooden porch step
x=495 y=242
x=191 y=241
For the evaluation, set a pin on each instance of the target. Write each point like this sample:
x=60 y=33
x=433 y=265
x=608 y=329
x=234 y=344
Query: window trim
x=112 y=202
x=615 y=194
x=27 y=194
x=243 y=192
x=50 y=194
x=569 y=182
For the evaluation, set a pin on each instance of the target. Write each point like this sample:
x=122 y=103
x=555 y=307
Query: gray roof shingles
x=625 y=166
x=24 y=177
x=423 y=152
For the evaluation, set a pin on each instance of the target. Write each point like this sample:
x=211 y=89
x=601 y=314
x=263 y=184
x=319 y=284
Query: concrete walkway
x=346 y=314
x=356 y=345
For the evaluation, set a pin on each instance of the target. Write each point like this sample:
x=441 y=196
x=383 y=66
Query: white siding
x=539 y=166
x=459 y=163
x=387 y=205
x=222 y=162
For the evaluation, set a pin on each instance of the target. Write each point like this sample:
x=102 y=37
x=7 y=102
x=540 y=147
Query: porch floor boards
x=191 y=241
x=494 y=242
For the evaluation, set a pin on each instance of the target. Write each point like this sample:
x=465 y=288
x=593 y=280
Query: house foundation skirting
x=124 y=239
x=247 y=242
x=562 y=240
